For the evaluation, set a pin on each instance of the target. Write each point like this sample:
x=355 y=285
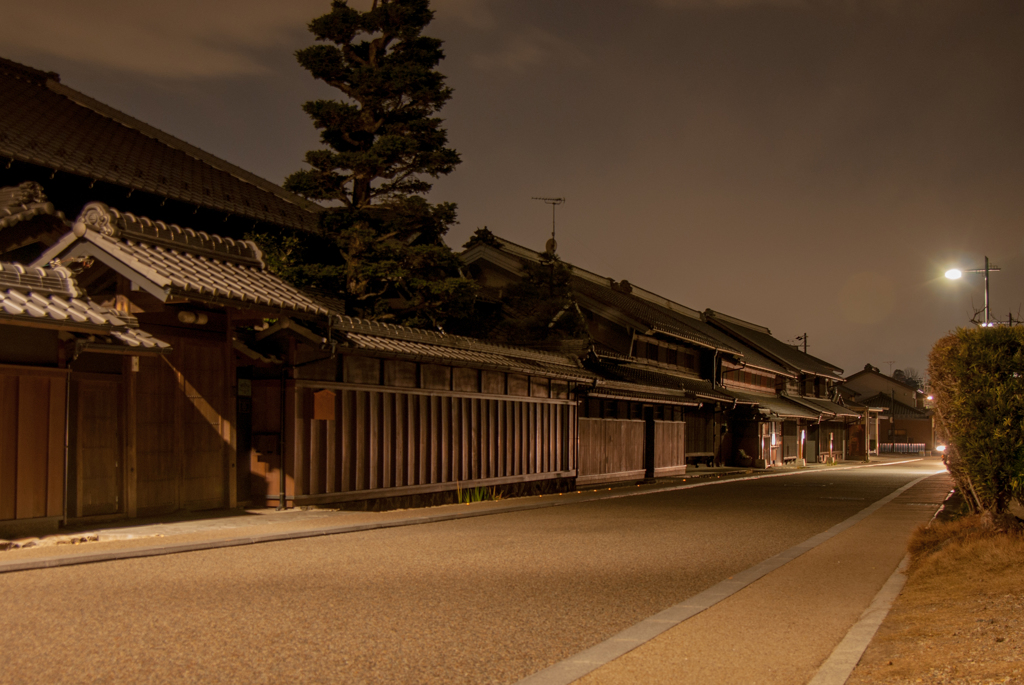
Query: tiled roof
x=873 y=371
x=894 y=407
x=22 y=202
x=602 y=351
x=706 y=390
x=46 y=123
x=181 y=261
x=710 y=329
x=646 y=309
x=780 y=407
x=637 y=374
x=613 y=390
x=761 y=339
x=752 y=357
x=825 y=406
x=647 y=314
x=50 y=298
x=422 y=344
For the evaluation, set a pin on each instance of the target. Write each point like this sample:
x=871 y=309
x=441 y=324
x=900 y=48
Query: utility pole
x=890 y=367
x=554 y=202
x=804 y=338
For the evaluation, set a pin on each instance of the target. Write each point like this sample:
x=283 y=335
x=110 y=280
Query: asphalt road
x=482 y=600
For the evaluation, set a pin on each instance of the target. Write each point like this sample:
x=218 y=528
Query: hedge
x=977 y=378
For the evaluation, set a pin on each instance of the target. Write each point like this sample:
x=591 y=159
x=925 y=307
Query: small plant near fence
x=465 y=496
x=977 y=377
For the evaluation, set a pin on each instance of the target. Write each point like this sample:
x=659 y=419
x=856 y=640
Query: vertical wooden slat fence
x=380 y=441
x=610 y=449
x=669 y=448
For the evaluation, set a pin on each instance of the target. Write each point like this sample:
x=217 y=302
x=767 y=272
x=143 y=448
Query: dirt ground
x=960 y=617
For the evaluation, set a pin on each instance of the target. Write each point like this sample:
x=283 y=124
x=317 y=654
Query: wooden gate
x=182 y=424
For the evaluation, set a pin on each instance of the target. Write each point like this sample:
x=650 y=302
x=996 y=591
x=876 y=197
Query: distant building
x=905 y=420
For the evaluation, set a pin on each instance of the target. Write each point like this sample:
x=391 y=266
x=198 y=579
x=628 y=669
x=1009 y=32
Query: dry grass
x=960 y=618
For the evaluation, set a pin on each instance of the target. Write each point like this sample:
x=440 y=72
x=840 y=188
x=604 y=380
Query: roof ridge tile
x=114 y=224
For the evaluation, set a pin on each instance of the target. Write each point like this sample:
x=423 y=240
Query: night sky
x=813 y=166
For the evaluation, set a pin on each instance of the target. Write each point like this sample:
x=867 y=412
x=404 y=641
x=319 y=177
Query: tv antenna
x=554 y=202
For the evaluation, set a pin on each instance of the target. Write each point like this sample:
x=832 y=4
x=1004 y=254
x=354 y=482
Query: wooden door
x=181 y=415
x=99 y=466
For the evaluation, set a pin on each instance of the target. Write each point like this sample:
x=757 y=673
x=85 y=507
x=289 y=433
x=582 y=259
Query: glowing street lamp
x=954 y=274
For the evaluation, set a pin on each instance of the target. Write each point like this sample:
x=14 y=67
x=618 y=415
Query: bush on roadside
x=977 y=377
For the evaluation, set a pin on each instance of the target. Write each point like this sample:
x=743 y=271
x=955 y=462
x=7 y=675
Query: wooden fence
x=610 y=450
x=669 y=448
x=357 y=442
x=613 y=449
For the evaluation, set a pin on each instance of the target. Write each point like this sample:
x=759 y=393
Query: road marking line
x=575 y=667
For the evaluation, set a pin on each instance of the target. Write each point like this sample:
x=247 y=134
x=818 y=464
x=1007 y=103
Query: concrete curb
x=555 y=501
x=575 y=667
x=844 y=658
x=839 y=666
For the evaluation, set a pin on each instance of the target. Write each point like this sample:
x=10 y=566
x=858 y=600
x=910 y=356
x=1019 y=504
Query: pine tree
x=381 y=140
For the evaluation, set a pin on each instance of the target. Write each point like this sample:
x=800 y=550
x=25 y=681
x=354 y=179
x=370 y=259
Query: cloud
x=184 y=39
x=528 y=49
x=476 y=14
x=728 y=4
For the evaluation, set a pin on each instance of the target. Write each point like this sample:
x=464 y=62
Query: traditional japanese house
x=818 y=429
x=762 y=428
x=661 y=404
x=176 y=411
x=47 y=328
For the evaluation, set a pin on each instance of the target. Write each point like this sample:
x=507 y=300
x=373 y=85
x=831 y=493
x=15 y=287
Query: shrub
x=978 y=381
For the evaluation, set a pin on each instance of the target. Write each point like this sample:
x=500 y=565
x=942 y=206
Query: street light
x=954 y=274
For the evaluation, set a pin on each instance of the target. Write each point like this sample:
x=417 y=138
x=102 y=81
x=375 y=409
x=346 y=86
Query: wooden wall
x=351 y=442
x=610 y=449
x=32 y=419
